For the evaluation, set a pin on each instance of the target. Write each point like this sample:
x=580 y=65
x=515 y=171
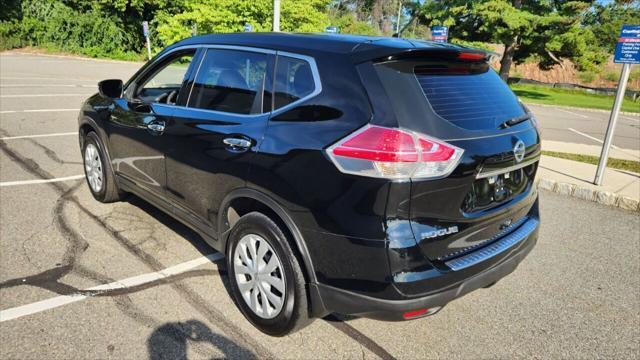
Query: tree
x=548 y=30
x=605 y=21
x=220 y=16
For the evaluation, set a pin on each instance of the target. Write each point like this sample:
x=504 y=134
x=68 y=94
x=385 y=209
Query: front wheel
x=265 y=276
x=98 y=172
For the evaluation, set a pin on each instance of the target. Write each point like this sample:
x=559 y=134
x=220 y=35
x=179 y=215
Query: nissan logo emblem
x=518 y=151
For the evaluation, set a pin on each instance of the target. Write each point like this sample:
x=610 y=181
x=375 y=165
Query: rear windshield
x=478 y=100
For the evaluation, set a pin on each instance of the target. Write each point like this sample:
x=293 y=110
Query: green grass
x=566 y=97
x=628 y=165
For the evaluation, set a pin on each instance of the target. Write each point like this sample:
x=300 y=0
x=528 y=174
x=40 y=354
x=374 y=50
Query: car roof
x=358 y=46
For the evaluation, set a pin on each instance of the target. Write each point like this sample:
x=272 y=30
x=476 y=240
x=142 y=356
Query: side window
x=230 y=81
x=294 y=80
x=166 y=81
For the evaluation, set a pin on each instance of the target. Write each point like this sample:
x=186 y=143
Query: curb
x=606 y=198
x=583 y=109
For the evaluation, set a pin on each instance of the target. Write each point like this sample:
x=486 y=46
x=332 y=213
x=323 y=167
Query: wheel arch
x=87 y=125
x=245 y=200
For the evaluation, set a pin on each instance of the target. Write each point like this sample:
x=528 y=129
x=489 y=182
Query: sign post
x=145 y=31
x=440 y=34
x=627 y=53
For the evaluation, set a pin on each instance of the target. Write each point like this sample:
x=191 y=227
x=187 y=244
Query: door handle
x=237 y=144
x=156 y=127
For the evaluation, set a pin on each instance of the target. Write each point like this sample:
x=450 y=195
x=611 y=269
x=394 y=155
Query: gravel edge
x=599 y=196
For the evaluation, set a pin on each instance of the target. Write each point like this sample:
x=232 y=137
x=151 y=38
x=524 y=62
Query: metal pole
x=613 y=119
x=398 y=19
x=276 y=15
x=149 y=47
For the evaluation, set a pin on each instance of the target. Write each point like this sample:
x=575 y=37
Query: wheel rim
x=259 y=276
x=93 y=167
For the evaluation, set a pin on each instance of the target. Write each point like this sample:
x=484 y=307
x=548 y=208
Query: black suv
x=374 y=177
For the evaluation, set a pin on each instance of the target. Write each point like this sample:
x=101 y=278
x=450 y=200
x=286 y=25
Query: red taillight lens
x=379 y=144
x=472 y=56
x=394 y=154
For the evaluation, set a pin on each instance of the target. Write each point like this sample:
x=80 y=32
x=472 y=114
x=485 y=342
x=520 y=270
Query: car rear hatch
x=454 y=96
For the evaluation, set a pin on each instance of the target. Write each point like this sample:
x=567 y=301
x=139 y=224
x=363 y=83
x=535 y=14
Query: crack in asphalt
x=359 y=337
x=50 y=279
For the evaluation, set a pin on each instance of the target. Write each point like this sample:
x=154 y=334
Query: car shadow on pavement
x=171 y=341
x=184 y=231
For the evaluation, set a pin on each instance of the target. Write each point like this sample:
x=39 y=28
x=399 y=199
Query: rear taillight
x=389 y=153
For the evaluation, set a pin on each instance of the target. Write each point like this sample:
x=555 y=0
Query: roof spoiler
x=370 y=51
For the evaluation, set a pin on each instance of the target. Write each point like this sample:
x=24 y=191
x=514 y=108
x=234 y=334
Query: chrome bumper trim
x=495 y=248
x=485 y=174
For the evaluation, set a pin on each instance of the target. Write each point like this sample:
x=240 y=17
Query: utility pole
x=276 y=15
x=398 y=19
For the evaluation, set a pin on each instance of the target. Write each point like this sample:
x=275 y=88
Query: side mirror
x=111 y=88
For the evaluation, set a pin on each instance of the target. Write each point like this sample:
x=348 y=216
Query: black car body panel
x=362 y=239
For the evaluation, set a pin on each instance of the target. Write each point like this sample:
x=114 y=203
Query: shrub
x=587 y=76
x=612 y=75
x=9 y=35
x=54 y=25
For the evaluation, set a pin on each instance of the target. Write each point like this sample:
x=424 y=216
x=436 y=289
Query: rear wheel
x=265 y=276
x=98 y=172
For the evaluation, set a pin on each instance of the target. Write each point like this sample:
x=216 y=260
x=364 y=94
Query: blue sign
x=440 y=34
x=248 y=28
x=145 y=28
x=331 y=29
x=628 y=47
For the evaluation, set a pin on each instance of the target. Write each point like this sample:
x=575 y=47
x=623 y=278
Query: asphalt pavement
x=81 y=279
x=587 y=126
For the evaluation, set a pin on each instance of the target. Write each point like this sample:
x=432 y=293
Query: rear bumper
x=332 y=299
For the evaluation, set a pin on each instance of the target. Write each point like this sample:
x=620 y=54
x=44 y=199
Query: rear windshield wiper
x=515 y=120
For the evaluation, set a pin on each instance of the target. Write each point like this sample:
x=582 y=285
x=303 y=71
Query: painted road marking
x=573 y=113
x=40 y=181
x=40 y=306
x=38 y=136
x=45 y=85
x=43 y=78
x=41 y=95
x=601 y=142
x=36 y=111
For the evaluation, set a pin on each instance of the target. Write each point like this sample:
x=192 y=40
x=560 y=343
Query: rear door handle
x=237 y=144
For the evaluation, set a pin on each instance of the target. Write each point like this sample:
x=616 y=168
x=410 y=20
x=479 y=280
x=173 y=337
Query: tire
x=107 y=191
x=258 y=229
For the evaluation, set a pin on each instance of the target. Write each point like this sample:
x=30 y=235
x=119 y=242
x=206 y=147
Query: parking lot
x=81 y=279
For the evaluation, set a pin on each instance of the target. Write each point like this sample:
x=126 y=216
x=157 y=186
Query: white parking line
x=36 y=111
x=38 y=136
x=590 y=137
x=40 y=95
x=573 y=113
x=45 y=85
x=40 y=306
x=601 y=142
x=43 y=78
x=40 y=181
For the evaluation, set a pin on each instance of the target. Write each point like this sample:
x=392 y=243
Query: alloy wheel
x=93 y=167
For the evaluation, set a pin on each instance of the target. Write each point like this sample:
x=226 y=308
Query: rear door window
x=294 y=81
x=230 y=81
x=471 y=100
